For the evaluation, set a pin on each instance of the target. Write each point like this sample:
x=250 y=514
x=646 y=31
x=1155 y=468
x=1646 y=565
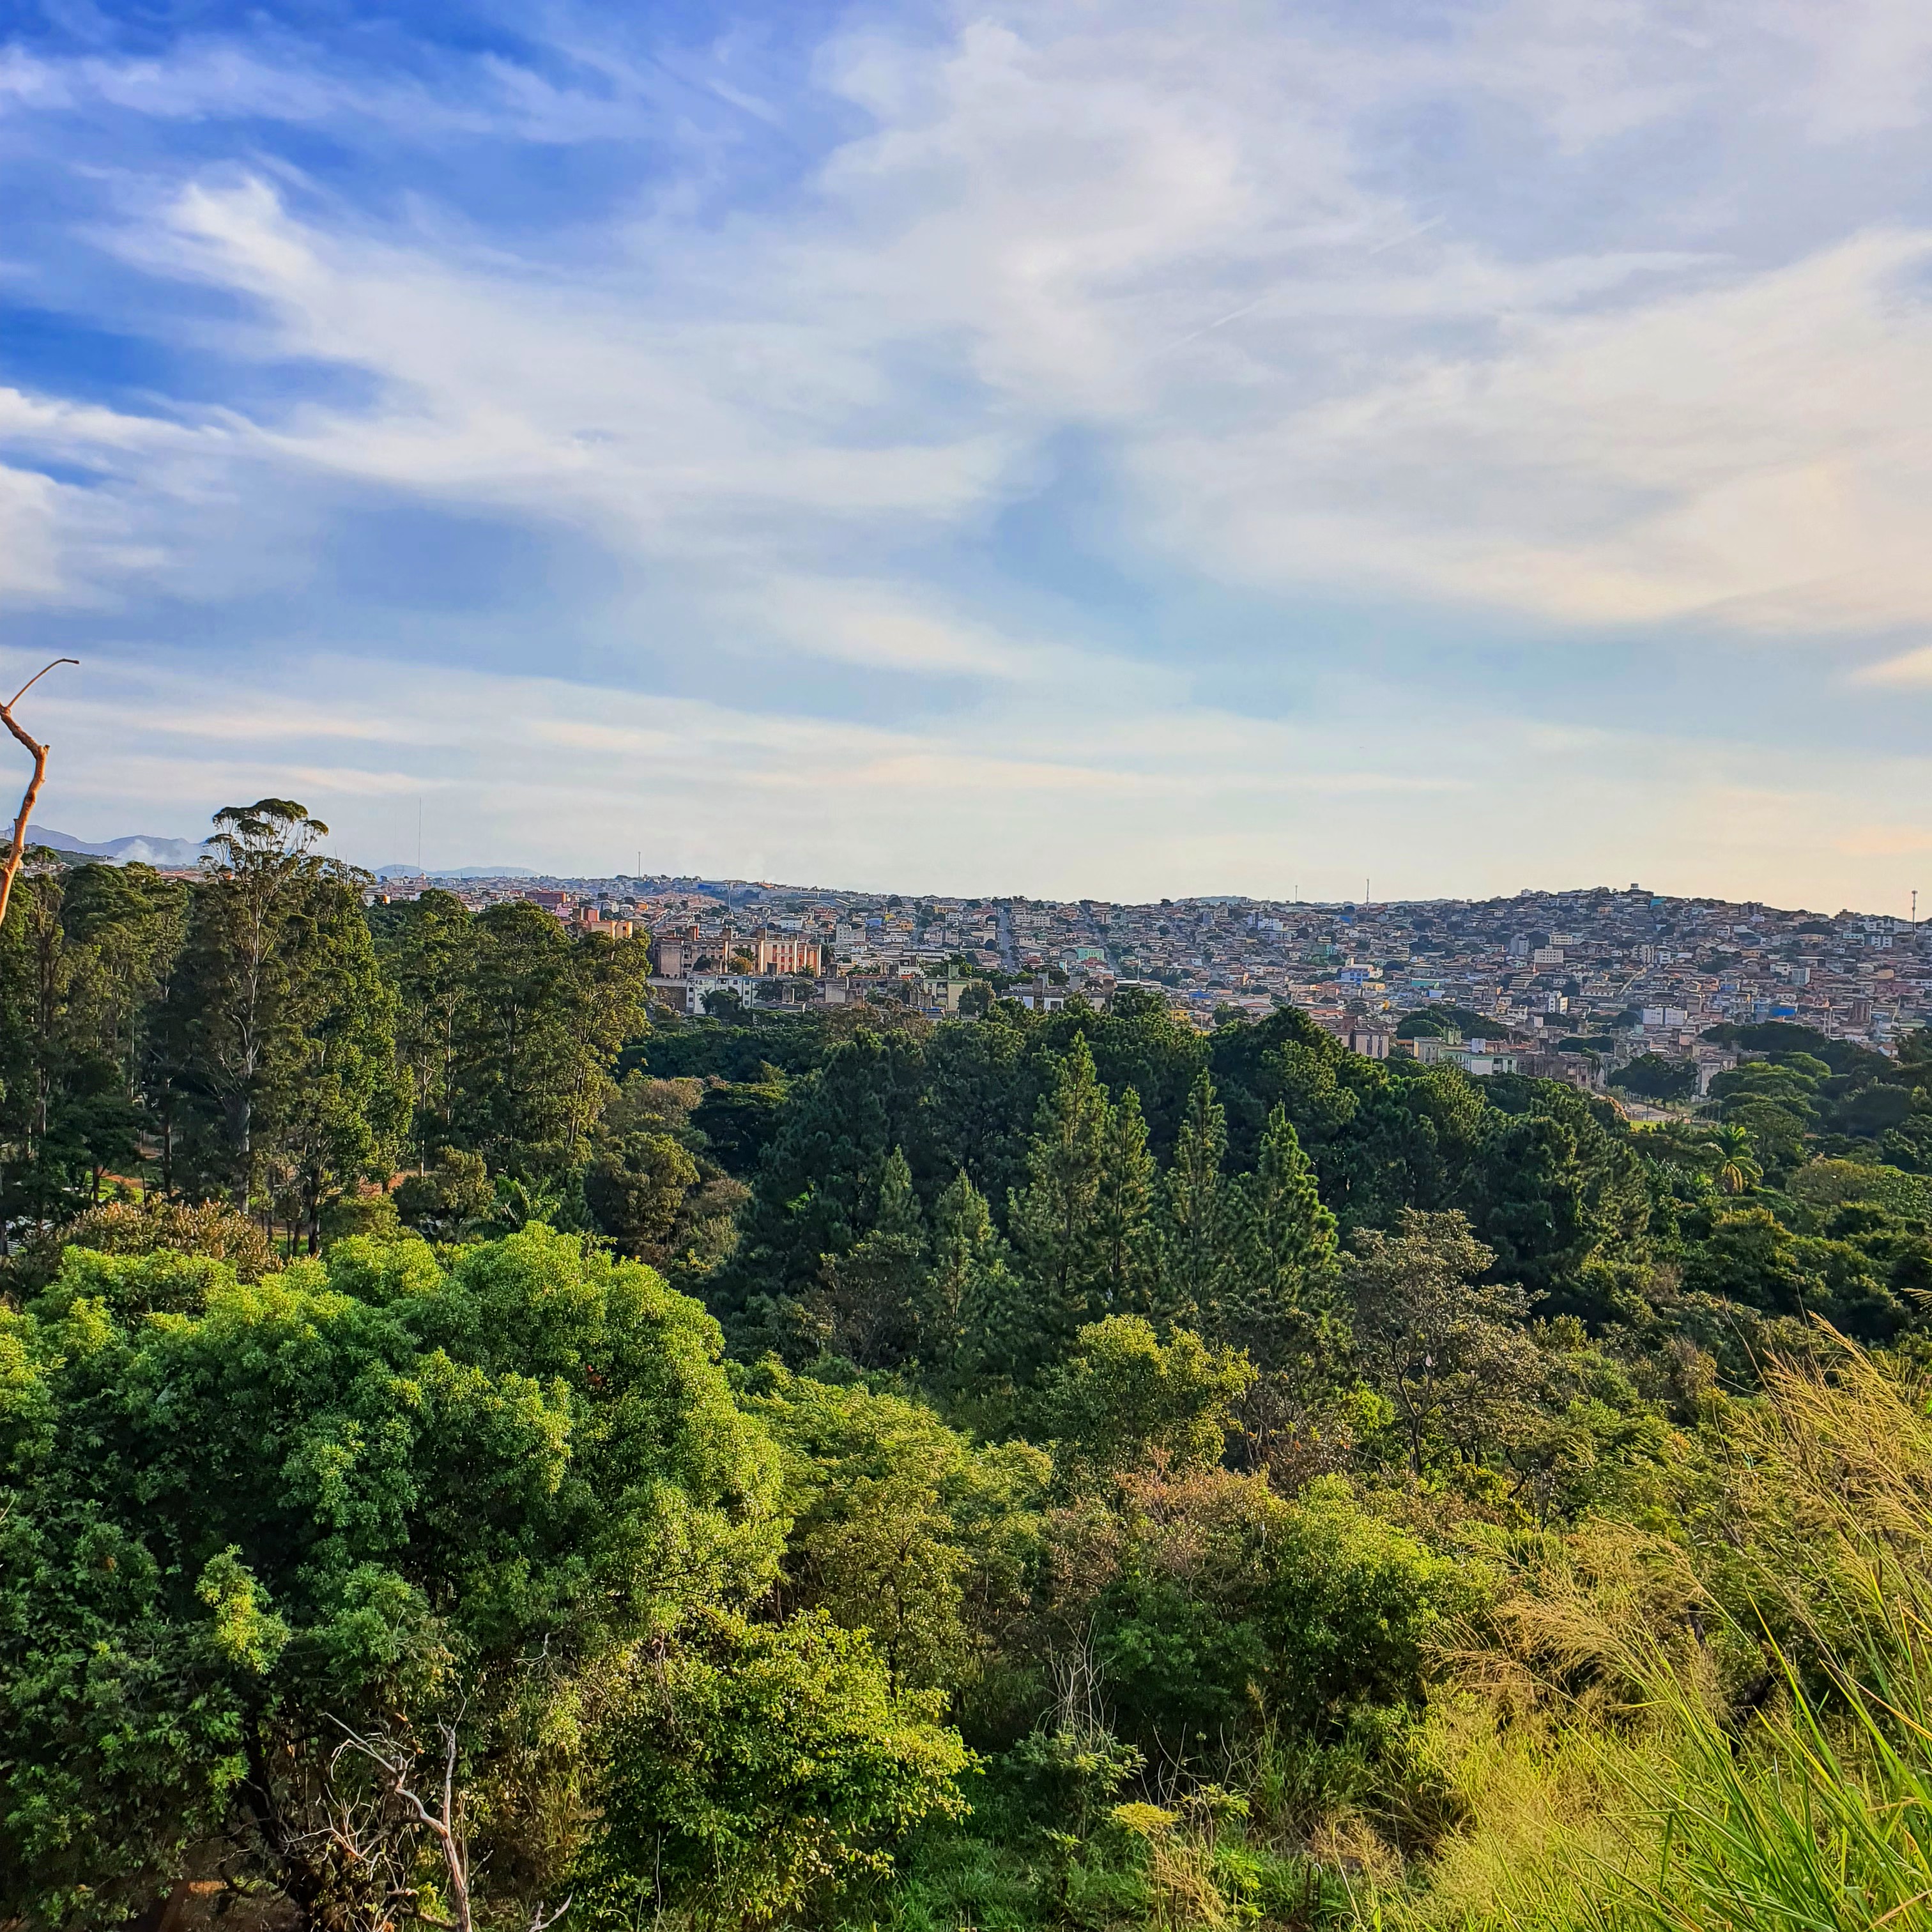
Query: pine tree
x=1198 y=1237
x=1124 y=1211
x=1054 y=1217
x=816 y=1188
x=1001 y=1344
x=978 y=1323
x=874 y=1287
x=964 y=1245
x=1279 y=1303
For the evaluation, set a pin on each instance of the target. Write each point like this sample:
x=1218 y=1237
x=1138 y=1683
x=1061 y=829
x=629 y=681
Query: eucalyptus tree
x=281 y=1028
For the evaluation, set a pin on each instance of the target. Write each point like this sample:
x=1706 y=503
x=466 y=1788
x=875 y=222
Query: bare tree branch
x=396 y=1762
x=378 y=1832
x=11 y=866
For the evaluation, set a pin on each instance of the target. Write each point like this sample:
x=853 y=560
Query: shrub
x=238 y=1516
x=760 y=1766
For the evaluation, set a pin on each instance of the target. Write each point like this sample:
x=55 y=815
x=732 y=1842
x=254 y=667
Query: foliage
x=209 y=1229
x=279 y=1025
x=543 y=1019
x=364 y=1491
x=1215 y=1606
x=1650 y=1077
x=901 y=1526
x=757 y=1766
x=1317 y=1487
x=1454 y=1357
x=1125 y=1398
x=85 y=956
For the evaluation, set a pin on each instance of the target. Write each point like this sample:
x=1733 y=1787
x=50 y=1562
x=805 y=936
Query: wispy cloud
x=1200 y=433
x=1913 y=668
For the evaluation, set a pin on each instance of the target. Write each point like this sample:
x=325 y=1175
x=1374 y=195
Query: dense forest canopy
x=479 y=1451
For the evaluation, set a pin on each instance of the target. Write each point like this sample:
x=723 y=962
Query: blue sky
x=1063 y=447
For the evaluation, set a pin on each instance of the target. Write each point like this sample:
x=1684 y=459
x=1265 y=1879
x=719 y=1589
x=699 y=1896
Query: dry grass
x=1732 y=1732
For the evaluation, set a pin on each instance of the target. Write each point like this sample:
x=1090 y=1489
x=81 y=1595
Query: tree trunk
x=10 y=866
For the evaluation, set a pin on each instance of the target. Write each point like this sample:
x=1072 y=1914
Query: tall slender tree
x=280 y=1025
x=1127 y=1235
x=1198 y=1235
x=874 y=1287
x=966 y=1298
x=545 y=1017
x=340 y=1104
x=70 y=1009
x=1054 y=1218
x=427 y=946
x=1279 y=1301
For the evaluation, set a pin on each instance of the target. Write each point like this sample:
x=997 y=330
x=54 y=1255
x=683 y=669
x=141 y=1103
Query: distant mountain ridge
x=148 y=848
x=456 y=872
x=139 y=848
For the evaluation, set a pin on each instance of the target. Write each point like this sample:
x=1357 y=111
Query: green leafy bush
x=362 y=1493
x=760 y=1766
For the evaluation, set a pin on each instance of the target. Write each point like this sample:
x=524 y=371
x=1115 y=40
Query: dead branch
x=10 y=868
x=362 y=1838
x=396 y=1763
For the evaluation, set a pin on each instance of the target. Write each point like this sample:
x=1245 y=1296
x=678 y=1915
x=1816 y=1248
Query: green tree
x=1355 y=1605
x=449 y=1199
x=978 y=1101
x=636 y=1190
x=760 y=1768
x=1650 y=1077
x=1199 y=1231
x=1279 y=1304
x=1054 y=1220
x=341 y=1109
x=1220 y=1606
x=968 y=1278
x=547 y=1015
x=364 y=1493
x=873 y=1290
x=1126 y=1396
x=816 y=1188
x=231 y=1006
x=1454 y=1357
x=901 y=1526
x=280 y=1023
x=427 y=948
x=84 y=961
x=64 y=1115
x=210 y=1229
x=1128 y=1236
x=1528 y=1199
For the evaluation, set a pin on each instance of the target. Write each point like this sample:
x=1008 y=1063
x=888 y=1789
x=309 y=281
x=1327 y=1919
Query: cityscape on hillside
x=1569 y=985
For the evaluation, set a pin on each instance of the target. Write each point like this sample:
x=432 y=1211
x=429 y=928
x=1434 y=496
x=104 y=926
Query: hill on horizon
x=141 y=848
x=456 y=872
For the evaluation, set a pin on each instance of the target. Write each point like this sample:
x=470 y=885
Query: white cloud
x=1055 y=802
x=1163 y=229
x=1479 y=307
x=1758 y=451
x=1914 y=667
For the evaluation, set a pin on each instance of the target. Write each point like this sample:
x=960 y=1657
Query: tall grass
x=1820 y=1821
x=1728 y=1730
